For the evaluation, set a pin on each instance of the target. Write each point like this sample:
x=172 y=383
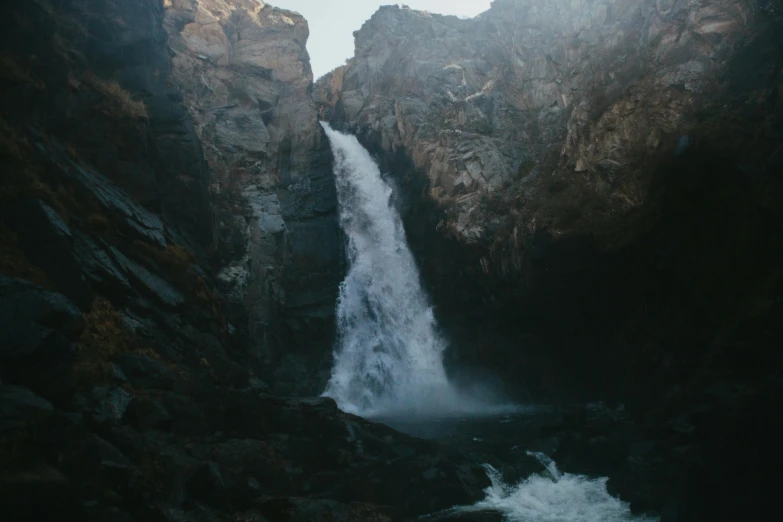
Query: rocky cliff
x=529 y=90
x=245 y=77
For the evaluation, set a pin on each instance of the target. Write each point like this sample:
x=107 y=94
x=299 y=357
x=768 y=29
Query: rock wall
x=245 y=76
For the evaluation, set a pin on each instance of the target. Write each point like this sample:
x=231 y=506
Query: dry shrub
x=97 y=223
x=105 y=336
x=119 y=102
x=174 y=259
x=14 y=263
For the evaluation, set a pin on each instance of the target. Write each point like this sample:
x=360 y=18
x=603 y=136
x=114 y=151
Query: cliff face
x=246 y=80
x=530 y=90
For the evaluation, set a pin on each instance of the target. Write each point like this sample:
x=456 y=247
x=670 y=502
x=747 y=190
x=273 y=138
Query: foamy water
x=552 y=496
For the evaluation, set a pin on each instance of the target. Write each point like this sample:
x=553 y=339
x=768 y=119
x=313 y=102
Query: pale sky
x=332 y=23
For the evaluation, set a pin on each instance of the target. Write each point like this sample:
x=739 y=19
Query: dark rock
x=20 y=408
x=141 y=222
x=314 y=510
x=108 y=404
x=242 y=460
x=48 y=242
x=205 y=484
x=143 y=372
x=188 y=417
x=148 y=283
x=100 y=269
x=32 y=319
x=146 y=413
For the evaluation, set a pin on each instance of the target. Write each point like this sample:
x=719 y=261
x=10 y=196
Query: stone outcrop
x=245 y=77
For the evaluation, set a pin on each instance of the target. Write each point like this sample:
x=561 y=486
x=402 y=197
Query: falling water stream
x=388 y=362
x=389 y=355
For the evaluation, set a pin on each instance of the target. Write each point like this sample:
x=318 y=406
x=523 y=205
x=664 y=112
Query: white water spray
x=552 y=496
x=389 y=357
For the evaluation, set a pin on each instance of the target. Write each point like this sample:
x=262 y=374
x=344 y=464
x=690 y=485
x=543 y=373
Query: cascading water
x=389 y=353
x=552 y=496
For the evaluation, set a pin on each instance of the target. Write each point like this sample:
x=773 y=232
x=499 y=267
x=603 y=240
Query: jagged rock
x=148 y=283
x=99 y=268
x=138 y=220
x=108 y=404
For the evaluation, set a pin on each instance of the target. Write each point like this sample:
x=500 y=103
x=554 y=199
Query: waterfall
x=389 y=355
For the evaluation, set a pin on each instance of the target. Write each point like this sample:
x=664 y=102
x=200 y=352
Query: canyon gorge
x=524 y=266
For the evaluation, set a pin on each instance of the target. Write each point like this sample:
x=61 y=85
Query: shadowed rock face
x=245 y=76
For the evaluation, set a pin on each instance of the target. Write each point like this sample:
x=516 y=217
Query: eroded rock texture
x=495 y=103
x=246 y=80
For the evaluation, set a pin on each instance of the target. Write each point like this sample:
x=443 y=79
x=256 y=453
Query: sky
x=332 y=23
